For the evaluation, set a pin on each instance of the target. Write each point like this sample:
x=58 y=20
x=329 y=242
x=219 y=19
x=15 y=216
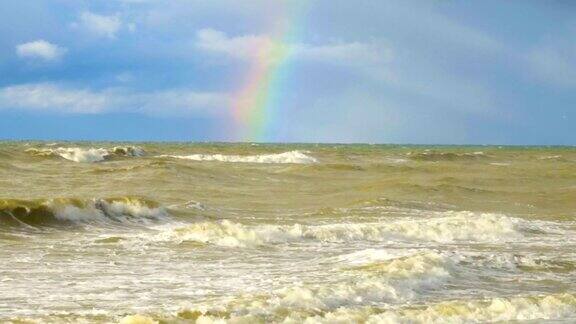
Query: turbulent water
x=247 y=233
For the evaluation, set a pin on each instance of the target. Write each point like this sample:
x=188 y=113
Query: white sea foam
x=424 y=261
x=452 y=227
x=518 y=262
x=347 y=305
x=376 y=291
x=500 y=163
x=425 y=265
x=77 y=154
x=503 y=309
x=396 y=160
x=294 y=157
x=400 y=280
x=490 y=310
x=137 y=319
x=550 y=157
x=80 y=154
x=367 y=256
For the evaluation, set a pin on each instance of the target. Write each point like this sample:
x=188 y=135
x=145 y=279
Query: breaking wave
x=556 y=158
x=79 y=154
x=417 y=262
x=519 y=262
x=376 y=293
x=408 y=264
x=309 y=299
x=293 y=157
x=555 y=306
x=34 y=213
x=452 y=227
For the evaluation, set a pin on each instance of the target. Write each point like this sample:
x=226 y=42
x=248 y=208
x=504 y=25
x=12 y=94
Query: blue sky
x=453 y=72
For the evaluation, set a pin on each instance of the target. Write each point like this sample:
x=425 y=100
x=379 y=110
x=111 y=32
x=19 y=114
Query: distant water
x=247 y=233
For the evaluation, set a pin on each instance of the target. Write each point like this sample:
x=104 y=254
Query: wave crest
x=77 y=211
x=292 y=157
x=498 y=309
x=79 y=154
x=308 y=299
x=421 y=264
x=452 y=227
x=556 y=306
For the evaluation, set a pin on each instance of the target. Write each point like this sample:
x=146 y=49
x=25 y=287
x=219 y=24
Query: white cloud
x=241 y=47
x=57 y=98
x=264 y=48
x=40 y=49
x=46 y=96
x=101 y=25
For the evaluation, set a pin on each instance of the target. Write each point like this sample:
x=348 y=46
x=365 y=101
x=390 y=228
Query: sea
x=109 y=232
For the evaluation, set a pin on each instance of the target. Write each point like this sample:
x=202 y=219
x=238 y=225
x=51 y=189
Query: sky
x=366 y=71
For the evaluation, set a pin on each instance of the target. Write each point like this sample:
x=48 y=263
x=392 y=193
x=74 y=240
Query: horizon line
x=281 y=143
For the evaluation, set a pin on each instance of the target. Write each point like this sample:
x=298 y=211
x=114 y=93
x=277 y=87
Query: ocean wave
x=490 y=310
x=395 y=280
x=504 y=164
x=137 y=319
x=518 y=262
x=451 y=227
x=79 y=154
x=378 y=294
x=34 y=213
x=558 y=158
x=309 y=299
x=410 y=263
x=407 y=264
x=292 y=157
x=430 y=155
x=308 y=306
x=555 y=308
x=525 y=308
x=383 y=288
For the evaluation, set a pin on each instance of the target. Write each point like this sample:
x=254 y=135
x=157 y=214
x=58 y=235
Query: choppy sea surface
x=255 y=233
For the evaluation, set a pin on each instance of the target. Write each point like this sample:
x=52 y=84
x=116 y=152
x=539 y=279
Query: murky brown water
x=109 y=232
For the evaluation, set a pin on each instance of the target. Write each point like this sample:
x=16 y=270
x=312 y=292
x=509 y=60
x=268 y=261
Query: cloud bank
x=264 y=47
x=52 y=97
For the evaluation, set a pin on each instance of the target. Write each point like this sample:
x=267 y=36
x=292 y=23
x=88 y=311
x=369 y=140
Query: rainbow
x=255 y=106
